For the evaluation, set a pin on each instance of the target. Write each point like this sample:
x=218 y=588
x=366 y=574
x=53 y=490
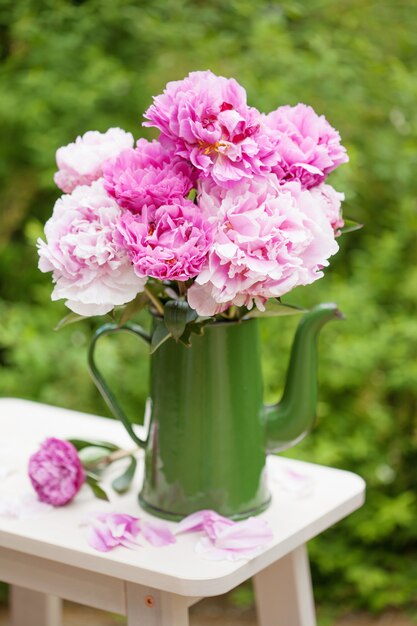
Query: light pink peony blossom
x=147 y=175
x=110 y=530
x=56 y=472
x=81 y=162
x=309 y=146
x=206 y=120
x=169 y=243
x=225 y=539
x=268 y=239
x=331 y=201
x=90 y=270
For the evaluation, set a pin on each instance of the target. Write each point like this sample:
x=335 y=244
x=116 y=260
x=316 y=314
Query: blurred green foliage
x=67 y=67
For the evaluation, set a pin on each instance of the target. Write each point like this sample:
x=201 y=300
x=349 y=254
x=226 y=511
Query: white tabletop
x=296 y=514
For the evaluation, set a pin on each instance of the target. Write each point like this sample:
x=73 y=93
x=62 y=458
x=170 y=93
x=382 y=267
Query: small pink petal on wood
x=157 y=534
x=225 y=539
x=25 y=506
x=109 y=530
x=297 y=483
x=201 y=520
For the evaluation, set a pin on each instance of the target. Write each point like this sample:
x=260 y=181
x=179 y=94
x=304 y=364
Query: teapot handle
x=115 y=408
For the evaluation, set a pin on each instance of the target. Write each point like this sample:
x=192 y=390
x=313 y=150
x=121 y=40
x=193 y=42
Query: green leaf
x=196 y=328
x=350 y=226
x=71 y=318
x=79 y=444
x=159 y=336
x=133 y=307
x=122 y=483
x=274 y=308
x=192 y=194
x=177 y=313
x=98 y=491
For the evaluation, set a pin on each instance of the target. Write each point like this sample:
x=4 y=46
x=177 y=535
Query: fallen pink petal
x=25 y=506
x=110 y=530
x=201 y=520
x=225 y=539
x=157 y=534
x=298 y=484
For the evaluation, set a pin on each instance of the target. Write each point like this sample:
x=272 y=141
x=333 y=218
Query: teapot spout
x=287 y=422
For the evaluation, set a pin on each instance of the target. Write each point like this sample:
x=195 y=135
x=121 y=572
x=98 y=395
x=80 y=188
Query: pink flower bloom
x=309 y=147
x=268 y=239
x=226 y=539
x=56 y=472
x=109 y=530
x=89 y=268
x=148 y=175
x=169 y=243
x=331 y=201
x=205 y=119
x=80 y=163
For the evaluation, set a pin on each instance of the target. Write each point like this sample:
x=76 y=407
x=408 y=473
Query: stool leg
x=31 y=608
x=284 y=595
x=150 y=607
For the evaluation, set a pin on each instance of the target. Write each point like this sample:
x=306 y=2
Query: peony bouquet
x=224 y=213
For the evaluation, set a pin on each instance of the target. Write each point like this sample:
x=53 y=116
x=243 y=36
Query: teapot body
x=206 y=442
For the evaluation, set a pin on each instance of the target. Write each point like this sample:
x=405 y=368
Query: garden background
x=67 y=67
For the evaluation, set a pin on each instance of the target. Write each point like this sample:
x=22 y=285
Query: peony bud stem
x=155 y=301
x=110 y=458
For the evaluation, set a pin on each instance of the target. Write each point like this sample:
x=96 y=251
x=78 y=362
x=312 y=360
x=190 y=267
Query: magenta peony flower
x=267 y=240
x=90 y=270
x=205 y=119
x=309 y=147
x=169 y=243
x=147 y=175
x=80 y=163
x=56 y=472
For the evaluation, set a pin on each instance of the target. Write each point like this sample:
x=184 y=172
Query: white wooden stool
x=47 y=557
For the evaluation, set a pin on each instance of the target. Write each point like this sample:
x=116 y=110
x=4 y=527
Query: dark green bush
x=67 y=67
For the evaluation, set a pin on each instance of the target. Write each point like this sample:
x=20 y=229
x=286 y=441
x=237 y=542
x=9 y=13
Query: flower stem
x=110 y=458
x=182 y=288
x=155 y=301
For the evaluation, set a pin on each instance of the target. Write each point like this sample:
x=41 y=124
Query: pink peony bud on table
x=56 y=472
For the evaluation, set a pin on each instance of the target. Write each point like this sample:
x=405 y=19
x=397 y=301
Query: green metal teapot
x=209 y=430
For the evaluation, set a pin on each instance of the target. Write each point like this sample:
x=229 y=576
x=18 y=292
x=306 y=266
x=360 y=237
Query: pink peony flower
x=331 y=201
x=90 y=270
x=225 y=539
x=309 y=147
x=267 y=240
x=169 y=243
x=81 y=162
x=148 y=175
x=56 y=472
x=205 y=119
x=109 y=530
